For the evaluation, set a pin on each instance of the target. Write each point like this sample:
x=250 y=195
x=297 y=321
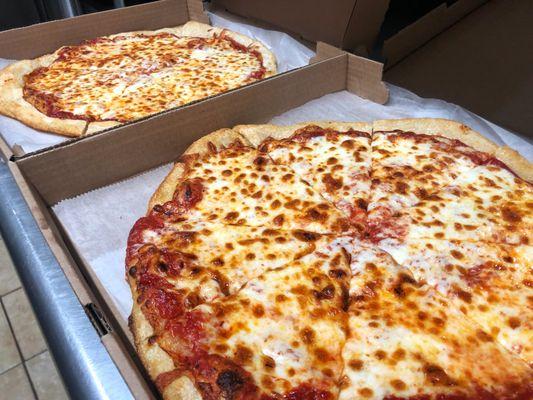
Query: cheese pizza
x=327 y=260
x=111 y=80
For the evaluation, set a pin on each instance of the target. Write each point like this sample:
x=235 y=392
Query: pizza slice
x=279 y=337
x=491 y=284
x=411 y=159
x=334 y=158
x=240 y=185
x=197 y=262
x=488 y=203
x=407 y=341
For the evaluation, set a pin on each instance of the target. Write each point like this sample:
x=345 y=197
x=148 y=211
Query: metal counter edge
x=86 y=367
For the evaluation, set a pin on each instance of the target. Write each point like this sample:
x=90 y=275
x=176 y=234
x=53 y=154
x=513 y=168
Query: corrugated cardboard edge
x=364 y=77
x=325 y=51
x=196 y=11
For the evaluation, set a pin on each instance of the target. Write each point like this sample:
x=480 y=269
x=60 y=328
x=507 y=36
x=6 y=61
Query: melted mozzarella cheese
x=251 y=190
x=486 y=203
x=270 y=322
x=488 y=282
x=406 y=340
x=337 y=167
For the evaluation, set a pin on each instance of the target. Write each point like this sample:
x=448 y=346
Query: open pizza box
x=78 y=168
x=360 y=26
x=35 y=40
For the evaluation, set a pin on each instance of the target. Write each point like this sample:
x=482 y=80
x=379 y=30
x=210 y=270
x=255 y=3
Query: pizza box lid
x=383 y=29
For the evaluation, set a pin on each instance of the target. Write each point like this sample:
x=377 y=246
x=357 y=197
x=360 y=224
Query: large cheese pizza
x=115 y=79
x=388 y=260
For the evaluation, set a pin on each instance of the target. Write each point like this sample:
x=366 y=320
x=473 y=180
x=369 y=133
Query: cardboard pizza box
x=36 y=40
x=381 y=28
x=50 y=176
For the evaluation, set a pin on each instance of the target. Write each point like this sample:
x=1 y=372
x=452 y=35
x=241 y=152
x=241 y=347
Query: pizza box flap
x=424 y=29
x=35 y=40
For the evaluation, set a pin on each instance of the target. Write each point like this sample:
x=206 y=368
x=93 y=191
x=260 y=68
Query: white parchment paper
x=290 y=54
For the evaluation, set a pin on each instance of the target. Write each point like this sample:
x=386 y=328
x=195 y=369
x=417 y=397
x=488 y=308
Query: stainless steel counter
x=87 y=369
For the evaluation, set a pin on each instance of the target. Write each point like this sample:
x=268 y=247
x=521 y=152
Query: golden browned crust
x=214 y=141
x=456 y=130
x=258 y=133
x=441 y=127
x=13 y=104
x=94 y=127
x=521 y=166
x=165 y=191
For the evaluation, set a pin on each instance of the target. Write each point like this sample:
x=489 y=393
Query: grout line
x=19 y=350
x=11 y=291
x=36 y=355
x=9 y=369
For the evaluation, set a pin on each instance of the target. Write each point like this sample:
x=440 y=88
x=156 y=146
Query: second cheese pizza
x=387 y=260
x=115 y=79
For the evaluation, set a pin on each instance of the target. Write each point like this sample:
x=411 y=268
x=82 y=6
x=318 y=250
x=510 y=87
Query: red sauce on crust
x=166 y=378
x=160 y=304
x=188 y=194
x=151 y=222
x=217 y=377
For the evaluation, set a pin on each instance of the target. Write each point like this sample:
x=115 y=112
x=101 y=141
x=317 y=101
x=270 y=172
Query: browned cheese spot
x=258 y=310
x=243 y=355
x=308 y=335
x=437 y=376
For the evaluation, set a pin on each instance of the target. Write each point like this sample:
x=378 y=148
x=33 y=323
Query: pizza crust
x=13 y=104
x=154 y=358
x=256 y=134
x=165 y=190
x=219 y=139
x=455 y=130
x=99 y=126
x=519 y=164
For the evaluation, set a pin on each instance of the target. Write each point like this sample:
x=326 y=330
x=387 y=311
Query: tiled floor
x=27 y=371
